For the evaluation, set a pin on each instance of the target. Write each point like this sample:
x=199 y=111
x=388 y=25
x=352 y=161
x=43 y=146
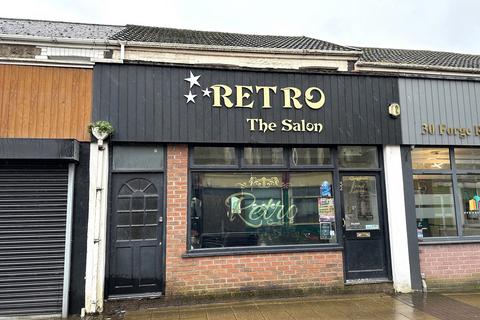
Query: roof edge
x=404 y=66
x=57 y=40
x=167 y=45
x=69 y=22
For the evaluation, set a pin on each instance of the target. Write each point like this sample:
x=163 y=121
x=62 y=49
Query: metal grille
x=33 y=205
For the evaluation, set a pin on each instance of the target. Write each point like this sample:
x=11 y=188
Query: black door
x=363 y=228
x=136 y=234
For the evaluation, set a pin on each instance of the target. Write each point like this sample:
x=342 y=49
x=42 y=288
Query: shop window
x=246 y=209
x=138 y=157
x=434 y=205
x=467 y=158
x=263 y=156
x=358 y=157
x=430 y=158
x=469 y=199
x=438 y=182
x=214 y=156
x=311 y=156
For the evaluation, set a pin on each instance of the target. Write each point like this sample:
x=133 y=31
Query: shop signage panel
x=439 y=112
x=206 y=105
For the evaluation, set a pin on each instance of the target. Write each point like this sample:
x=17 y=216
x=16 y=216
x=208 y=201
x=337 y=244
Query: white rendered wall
x=397 y=221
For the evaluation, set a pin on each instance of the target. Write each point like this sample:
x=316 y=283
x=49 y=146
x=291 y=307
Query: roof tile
x=209 y=38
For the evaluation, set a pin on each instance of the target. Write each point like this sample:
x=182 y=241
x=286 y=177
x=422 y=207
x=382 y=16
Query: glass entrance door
x=364 y=236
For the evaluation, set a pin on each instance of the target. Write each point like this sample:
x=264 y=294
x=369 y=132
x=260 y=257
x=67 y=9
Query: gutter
x=176 y=46
x=417 y=67
x=201 y=47
x=56 y=40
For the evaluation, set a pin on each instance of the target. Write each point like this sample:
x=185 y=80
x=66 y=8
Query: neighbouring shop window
x=360 y=157
x=467 y=158
x=311 y=156
x=436 y=181
x=434 y=205
x=233 y=209
x=138 y=157
x=469 y=199
x=431 y=158
x=214 y=156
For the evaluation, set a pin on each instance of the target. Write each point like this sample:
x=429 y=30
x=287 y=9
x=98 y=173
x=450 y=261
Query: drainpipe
x=122 y=50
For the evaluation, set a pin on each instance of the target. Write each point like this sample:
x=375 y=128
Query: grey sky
x=446 y=25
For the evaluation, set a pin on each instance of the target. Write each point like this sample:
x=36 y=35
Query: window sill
x=448 y=241
x=250 y=251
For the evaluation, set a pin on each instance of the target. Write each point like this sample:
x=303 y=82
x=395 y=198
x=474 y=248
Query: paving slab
x=418 y=306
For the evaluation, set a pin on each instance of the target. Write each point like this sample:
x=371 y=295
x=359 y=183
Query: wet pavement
x=431 y=306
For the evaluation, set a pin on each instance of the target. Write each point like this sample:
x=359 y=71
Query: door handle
x=343 y=222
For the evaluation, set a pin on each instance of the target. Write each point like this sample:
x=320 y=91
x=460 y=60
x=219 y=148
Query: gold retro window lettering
x=261 y=96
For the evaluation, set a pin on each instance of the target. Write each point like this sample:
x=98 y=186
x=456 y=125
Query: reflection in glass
x=263 y=156
x=360 y=202
x=469 y=194
x=235 y=209
x=434 y=205
x=137 y=210
x=138 y=157
x=430 y=158
x=361 y=157
x=214 y=156
x=310 y=156
x=467 y=158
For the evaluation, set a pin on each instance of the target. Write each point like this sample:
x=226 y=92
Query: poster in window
x=325 y=230
x=326 y=209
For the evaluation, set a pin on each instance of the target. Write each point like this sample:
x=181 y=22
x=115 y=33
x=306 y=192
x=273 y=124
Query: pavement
x=417 y=306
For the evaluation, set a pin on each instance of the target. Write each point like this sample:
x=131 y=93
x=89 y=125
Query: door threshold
x=367 y=281
x=150 y=295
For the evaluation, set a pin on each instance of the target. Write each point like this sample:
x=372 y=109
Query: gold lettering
x=252 y=123
x=309 y=96
x=266 y=94
x=217 y=96
x=243 y=95
x=442 y=128
x=287 y=125
x=288 y=98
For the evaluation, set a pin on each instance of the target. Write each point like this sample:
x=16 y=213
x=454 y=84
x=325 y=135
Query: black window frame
x=287 y=167
x=454 y=173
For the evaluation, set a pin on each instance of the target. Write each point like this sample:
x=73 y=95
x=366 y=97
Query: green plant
x=102 y=126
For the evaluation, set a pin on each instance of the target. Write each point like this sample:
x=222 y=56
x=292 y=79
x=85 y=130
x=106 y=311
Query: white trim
x=417 y=69
x=50 y=40
x=97 y=229
x=397 y=220
x=68 y=240
x=213 y=48
x=46 y=63
x=242 y=59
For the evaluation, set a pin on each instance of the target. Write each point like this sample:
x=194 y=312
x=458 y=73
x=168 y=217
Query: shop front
x=441 y=162
x=232 y=181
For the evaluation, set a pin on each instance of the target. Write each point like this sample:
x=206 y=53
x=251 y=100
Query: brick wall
x=230 y=274
x=451 y=265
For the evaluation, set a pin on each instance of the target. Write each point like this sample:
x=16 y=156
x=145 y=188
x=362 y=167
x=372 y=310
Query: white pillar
x=397 y=221
x=68 y=240
x=97 y=228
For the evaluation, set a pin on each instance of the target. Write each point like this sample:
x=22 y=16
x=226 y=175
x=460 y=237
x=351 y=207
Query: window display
x=469 y=187
x=231 y=209
x=436 y=181
x=434 y=205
